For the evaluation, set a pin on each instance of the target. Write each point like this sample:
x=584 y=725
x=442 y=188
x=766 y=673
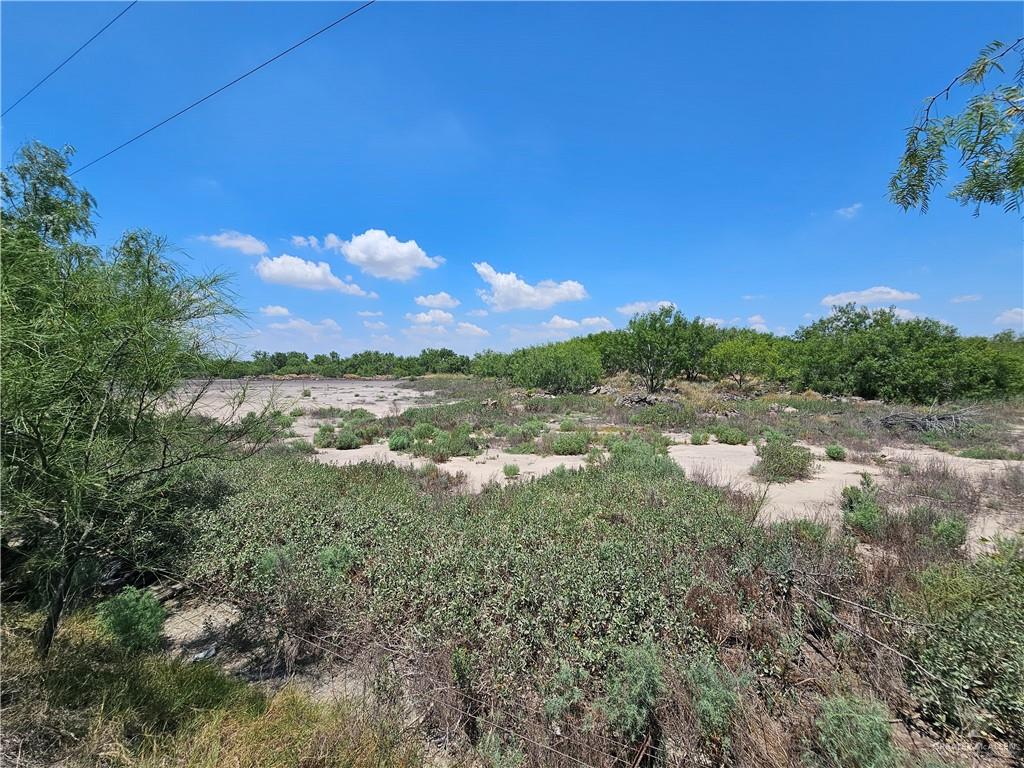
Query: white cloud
x=758 y=323
x=559 y=323
x=640 y=307
x=849 y=211
x=966 y=298
x=903 y=313
x=425 y=330
x=237 y=241
x=438 y=316
x=477 y=313
x=509 y=291
x=299 y=273
x=275 y=310
x=382 y=338
x=369 y=313
x=440 y=300
x=879 y=294
x=375 y=325
x=1011 y=317
x=326 y=327
x=716 y=321
x=303 y=241
x=382 y=255
x=468 y=329
x=596 y=322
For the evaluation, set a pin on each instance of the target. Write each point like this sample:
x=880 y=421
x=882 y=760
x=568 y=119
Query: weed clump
x=854 y=733
x=781 y=461
x=730 y=435
x=400 y=440
x=862 y=513
x=714 y=693
x=699 y=438
x=835 y=452
x=134 y=618
x=569 y=443
x=510 y=470
x=632 y=689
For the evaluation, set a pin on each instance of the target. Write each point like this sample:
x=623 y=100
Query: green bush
x=781 y=461
x=400 y=440
x=423 y=431
x=569 y=443
x=699 y=438
x=730 y=435
x=835 y=452
x=862 y=513
x=511 y=470
x=714 y=692
x=950 y=531
x=569 y=425
x=135 y=618
x=854 y=733
x=346 y=440
x=296 y=412
x=324 y=437
x=664 y=415
x=568 y=366
x=632 y=690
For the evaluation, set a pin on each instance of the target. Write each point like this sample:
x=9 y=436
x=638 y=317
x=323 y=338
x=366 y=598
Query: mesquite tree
x=93 y=347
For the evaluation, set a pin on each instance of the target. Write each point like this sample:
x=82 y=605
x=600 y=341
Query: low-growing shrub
x=297 y=412
x=714 y=693
x=324 y=437
x=135 y=618
x=854 y=733
x=423 y=431
x=835 y=452
x=400 y=440
x=730 y=435
x=664 y=415
x=307 y=393
x=950 y=531
x=699 y=438
x=781 y=461
x=632 y=689
x=347 y=440
x=511 y=470
x=569 y=425
x=862 y=513
x=569 y=443
x=992 y=453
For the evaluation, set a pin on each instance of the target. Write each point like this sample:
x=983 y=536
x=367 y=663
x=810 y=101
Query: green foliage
x=950 y=531
x=862 y=513
x=324 y=437
x=568 y=366
x=569 y=425
x=444 y=445
x=423 y=431
x=510 y=470
x=970 y=643
x=346 y=440
x=400 y=440
x=835 y=452
x=307 y=393
x=714 y=692
x=699 y=438
x=781 y=461
x=297 y=412
x=569 y=443
x=992 y=453
x=730 y=435
x=986 y=137
x=664 y=415
x=854 y=733
x=743 y=356
x=632 y=687
x=134 y=618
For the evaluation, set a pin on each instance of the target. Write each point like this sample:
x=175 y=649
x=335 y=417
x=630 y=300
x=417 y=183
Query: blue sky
x=730 y=158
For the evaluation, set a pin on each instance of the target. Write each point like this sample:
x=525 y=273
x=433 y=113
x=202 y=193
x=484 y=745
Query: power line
x=69 y=58
x=224 y=87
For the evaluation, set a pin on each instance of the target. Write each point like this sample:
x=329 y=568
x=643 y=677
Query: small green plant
x=135 y=619
x=854 y=733
x=346 y=440
x=992 y=453
x=324 y=437
x=715 y=695
x=423 y=431
x=835 y=452
x=699 y=438
x=307 y=393
x=511 y=470
x=862 y=513
x=781 y=461
x=950 y=531
x=400 y=440
x=730 y=435
x=568 y=425
x=633 y=687
x=569 y=443
x=297 y=412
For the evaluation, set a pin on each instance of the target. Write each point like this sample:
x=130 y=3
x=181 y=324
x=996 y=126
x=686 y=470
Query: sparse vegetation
x=835 y=452
x=780 y=461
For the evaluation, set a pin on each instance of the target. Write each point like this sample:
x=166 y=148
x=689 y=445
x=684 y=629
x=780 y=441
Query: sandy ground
x=379 y=396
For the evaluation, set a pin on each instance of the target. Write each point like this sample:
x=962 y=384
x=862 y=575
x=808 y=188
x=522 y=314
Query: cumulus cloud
x=596 y=322
x=509 y=291
x=849 y=211
x=716 y=321
x=382 y=255
x=440 y=300
x=758 y=323
x=966 y=298
x=559 y=323
x=468 y=329
x=477 y=313
x=274 y=310
x=879 y=294
x=903 y=313
x=237 y=241
x=326 y=327
x=299 y=273
x=1011 y=318
x=640 y=307
x=375 y=325
x=437 y=316
x=306 y=241
x=425 y=330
